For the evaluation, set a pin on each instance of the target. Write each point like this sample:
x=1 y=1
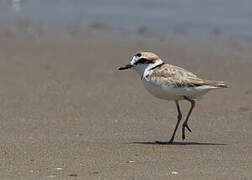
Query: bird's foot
x=187 y=127
x=183 y=130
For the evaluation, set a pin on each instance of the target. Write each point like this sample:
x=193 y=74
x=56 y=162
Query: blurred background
x=191 y=18
x=66 y=111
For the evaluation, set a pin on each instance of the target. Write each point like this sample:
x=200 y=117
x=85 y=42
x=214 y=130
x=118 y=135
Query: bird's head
x=142 y=61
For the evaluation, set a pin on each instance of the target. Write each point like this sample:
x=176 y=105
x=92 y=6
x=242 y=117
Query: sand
x=68 y=113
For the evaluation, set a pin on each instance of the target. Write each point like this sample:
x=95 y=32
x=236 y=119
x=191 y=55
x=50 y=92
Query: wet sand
x=67 y=113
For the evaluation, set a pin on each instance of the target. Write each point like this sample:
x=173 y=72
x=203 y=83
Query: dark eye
x=138 y=54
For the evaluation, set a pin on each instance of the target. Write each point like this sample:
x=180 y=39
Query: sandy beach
x=68 y=113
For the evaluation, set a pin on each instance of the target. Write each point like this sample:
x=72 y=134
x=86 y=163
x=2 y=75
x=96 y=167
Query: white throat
x=144 y=69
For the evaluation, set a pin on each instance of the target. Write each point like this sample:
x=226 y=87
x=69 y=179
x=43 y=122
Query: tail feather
x=220 y=84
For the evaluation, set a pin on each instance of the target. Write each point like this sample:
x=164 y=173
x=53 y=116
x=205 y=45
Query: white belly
x=169 y=92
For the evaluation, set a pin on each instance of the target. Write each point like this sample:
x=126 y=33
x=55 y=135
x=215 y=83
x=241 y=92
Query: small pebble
x=51 y=176
x=130 y=161
x=59 y=169
x=174 y=172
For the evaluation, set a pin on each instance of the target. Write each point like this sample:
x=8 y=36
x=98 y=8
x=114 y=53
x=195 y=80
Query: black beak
x=128 y=66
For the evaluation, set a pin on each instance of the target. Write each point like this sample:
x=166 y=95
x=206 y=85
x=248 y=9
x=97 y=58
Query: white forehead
x=134 y=60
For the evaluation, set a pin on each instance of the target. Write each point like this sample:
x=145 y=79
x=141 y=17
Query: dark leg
x=179 y=119
x=174 y=132
x=187 y=117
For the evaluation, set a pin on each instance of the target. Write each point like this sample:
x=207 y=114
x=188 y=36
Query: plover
x=171 y=82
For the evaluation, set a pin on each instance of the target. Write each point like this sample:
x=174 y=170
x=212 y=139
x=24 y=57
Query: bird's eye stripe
x=143 y=60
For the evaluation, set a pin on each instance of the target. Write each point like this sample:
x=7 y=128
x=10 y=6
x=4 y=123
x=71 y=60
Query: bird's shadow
x=177 y=143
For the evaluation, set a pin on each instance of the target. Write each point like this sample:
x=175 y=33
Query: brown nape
x=150 y=56
x=155 y=58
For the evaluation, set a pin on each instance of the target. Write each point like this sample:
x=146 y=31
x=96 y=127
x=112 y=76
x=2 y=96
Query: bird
x=170 y=82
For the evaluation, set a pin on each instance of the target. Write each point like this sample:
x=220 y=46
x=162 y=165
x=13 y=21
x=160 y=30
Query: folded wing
x=179 y=77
